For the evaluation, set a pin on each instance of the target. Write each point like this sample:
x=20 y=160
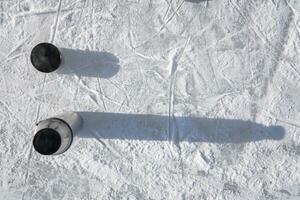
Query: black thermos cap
x=45 y=57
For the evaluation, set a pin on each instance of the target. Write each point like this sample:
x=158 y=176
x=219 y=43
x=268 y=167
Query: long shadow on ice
x=88 y=63
x=191 y=129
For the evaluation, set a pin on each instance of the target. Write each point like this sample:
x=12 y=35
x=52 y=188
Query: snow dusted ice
x=180 y=99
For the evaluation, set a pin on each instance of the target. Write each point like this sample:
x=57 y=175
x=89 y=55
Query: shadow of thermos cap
x=54 y=135
x=45 y=57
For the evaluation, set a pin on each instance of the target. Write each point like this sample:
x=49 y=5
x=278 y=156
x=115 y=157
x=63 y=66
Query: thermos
x=54 y=135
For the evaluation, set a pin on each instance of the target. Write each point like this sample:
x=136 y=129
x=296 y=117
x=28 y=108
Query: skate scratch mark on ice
x=223 y=95
x=38 y=113
x=174 y=59
x=173 y=126
x=107 y=146
x=252 y=24
x=38 y=110
x=83 y=86
x=159 y=75
x=162 y=27
x=15 y=57
x=19 y=5
x=211 y=66
x=55 y=27
x=43 y=12
x=173 y=66
x=189 y=23
x=5 y=82
x=101 y=93
x=94 y=48
x=294 y=68
x=172 y=16
x=228 y=36
x=18 y=46
x=287 y=121
x=130 y=35
x=93 y=25
x=285 y=40
x=197 y=70
x=143 y=56
x=169 y=5
x=212 y=69
x=93 y=99
x=29 y=155
x=170 y=8
x=254 y=27
x=27 y=168
x=143 y=75
x=127 y=100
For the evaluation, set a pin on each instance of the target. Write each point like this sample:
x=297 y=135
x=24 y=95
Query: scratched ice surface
x=189 y=99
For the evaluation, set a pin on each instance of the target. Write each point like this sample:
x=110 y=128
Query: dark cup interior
x=45 y=57
x=46 y=141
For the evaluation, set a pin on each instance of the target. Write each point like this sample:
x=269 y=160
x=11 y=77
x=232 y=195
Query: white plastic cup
x=54 y=135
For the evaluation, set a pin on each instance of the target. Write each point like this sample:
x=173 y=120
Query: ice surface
x=181 y=99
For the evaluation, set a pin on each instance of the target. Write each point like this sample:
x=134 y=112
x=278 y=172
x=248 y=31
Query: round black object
x=45 y=57
x=47 y=141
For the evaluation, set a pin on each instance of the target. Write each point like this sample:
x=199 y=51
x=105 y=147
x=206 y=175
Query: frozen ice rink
x=181 y=99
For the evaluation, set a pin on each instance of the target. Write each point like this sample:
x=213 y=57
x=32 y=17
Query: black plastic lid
x=47 y=141
x=45 y=57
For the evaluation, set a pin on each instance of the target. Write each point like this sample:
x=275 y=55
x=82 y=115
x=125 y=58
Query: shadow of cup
x=191 y=129
x=88 y=63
